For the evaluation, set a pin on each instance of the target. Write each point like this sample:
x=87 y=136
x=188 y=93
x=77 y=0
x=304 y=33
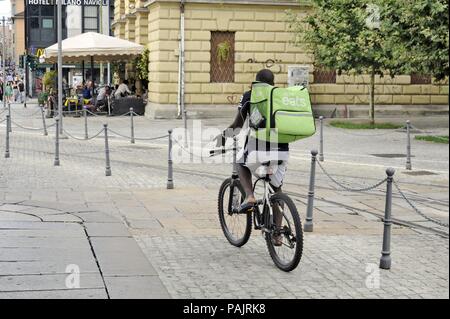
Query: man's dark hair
x=266 y=76
x=125 y=82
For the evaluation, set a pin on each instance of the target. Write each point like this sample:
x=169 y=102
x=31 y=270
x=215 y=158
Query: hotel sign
x=68 y=2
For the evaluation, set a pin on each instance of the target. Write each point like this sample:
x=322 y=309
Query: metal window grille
x=222 y=57
x=420 y=79
x=324 y=76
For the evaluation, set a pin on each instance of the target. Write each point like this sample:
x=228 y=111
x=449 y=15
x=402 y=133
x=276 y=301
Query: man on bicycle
x=257 y=152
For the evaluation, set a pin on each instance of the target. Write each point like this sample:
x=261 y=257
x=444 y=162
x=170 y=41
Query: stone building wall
x=261 y=34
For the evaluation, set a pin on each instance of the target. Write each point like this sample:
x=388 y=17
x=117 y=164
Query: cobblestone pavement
x=179 y=231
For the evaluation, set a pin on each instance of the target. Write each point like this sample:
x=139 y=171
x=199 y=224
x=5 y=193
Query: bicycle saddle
x=269 y=163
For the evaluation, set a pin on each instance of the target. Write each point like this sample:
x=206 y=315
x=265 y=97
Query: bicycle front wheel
x=237 y=228
x=285 y=242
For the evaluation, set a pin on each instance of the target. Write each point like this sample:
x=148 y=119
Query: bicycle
x=237 y=227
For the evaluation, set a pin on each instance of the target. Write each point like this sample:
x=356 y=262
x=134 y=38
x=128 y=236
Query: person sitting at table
x=102 y=98
x=122 y=90
x=87 y=91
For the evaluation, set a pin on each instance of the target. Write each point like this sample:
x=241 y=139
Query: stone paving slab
x=47 y=282
x=120 y=256
x=136 y=287
x=56 y=294
x=35 y=255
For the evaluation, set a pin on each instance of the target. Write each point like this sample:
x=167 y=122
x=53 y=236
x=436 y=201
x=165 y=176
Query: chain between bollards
x=170 y=183
x=7 y=153
x=309 y=225
x=57 y=161
x=86 y=132
x=133 y=140
x=386 y=260
x=408 y=146
x=321 y=154
x=43 y=121
x=108 y=171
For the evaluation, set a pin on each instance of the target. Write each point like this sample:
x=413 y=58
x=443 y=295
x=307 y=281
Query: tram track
x=220 y=177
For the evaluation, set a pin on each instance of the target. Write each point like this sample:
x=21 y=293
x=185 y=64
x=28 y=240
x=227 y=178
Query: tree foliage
x=419 y=35
x=377 y=37
x=412 y=36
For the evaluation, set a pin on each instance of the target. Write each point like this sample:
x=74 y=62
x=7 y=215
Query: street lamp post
x=60 y=73
x=4 y=61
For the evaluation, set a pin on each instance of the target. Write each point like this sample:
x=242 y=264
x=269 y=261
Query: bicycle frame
x=266 y=219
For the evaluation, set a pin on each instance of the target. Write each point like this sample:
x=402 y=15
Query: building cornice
x=290 y=3
x=131 y=15
x=140 y=10
x=118 y=22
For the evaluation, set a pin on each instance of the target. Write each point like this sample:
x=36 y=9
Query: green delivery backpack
x=281 y=115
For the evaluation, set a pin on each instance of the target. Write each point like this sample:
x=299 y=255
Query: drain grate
x=420 y=173
x=390 y=155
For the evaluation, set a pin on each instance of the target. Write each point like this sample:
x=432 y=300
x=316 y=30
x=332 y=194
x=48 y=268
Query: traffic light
x=21 y=64
x=32 y=62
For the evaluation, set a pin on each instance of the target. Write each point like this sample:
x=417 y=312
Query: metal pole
x=43 y=120
x=170 y=184
x=408 y=146
x=7 y=154
x=133 y=141
x=309 y=225
x=182 y=72
x=60 y=70
x=86 y=133
x=25 y=81
x=386 y=260
x=57 y=162
x=9 y=113
x=321 y=155
x=101 y=32
x=108 y=162
x=4 y=64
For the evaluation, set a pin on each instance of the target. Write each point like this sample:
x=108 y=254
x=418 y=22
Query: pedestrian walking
x=8 y=92
x=1 y=92
x=15 y=88
x=21 y=86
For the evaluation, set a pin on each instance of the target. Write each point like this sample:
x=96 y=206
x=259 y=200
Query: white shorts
x=253 y=159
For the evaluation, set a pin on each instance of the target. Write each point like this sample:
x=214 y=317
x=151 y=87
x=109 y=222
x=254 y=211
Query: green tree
x=375 y=37
x=419 y=35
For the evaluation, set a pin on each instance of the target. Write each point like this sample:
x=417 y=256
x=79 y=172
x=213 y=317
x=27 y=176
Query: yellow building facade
x=258 y=37
x=18 y=29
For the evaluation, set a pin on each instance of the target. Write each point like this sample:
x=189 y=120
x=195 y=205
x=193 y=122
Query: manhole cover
x=420 y=173
x=390 y=155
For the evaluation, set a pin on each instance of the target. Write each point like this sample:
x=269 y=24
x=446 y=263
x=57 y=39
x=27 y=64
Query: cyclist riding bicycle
x=256 y=153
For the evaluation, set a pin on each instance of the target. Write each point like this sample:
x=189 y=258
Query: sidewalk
x=194 y=260
x=45 y=246
x=137 y=239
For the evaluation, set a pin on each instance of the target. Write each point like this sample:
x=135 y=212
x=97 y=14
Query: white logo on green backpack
x=287 y=113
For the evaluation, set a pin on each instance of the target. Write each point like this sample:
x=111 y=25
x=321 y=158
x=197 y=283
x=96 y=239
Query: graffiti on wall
x=272 y=64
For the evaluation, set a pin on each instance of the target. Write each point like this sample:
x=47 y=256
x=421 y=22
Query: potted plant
x=141 y=67
x=50 y=86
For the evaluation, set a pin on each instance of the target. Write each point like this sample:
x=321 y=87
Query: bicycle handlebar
x=221 y=151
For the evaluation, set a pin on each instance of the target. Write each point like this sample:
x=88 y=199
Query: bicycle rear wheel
x=237 y=228
x=289 y=234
